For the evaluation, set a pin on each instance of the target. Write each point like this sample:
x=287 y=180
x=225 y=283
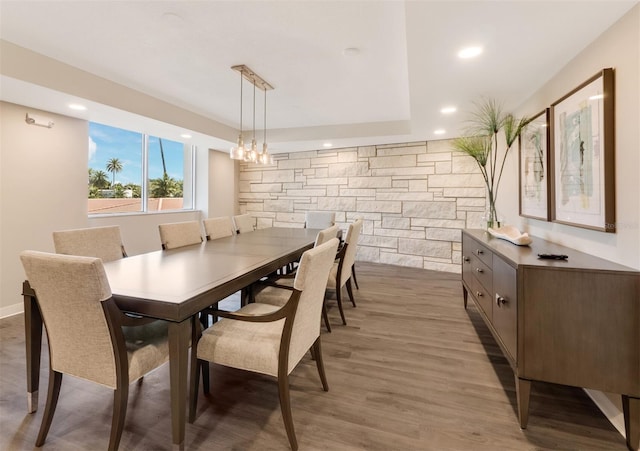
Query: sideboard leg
x=523 y=392
x=465 y=293
x=631 y=410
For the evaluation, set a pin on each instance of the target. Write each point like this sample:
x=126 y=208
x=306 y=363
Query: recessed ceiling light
x=327 y=145
x=469 y=52
x=448 y=110
x=185 y=136
x=77 y=107
x=440 y=131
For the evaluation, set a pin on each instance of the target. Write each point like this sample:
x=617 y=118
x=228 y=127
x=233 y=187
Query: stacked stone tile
x=414 y=198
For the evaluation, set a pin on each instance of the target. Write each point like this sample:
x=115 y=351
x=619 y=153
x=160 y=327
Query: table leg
x=33 y=340
x=179 y=334
x=631 y=410
x=523 y=393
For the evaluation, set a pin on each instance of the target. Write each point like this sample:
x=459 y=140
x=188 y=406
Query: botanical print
x=582 y=149
x=578 y=149
x=533 y=169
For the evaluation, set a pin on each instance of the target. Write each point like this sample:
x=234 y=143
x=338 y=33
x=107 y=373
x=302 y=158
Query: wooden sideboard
x=573 y=322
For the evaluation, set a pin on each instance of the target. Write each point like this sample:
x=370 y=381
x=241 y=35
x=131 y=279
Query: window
x=133 y=172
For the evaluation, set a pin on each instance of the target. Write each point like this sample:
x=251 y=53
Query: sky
x=107 y=142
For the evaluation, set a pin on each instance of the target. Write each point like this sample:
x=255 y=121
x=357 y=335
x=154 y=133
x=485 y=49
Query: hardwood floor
x=412 y=370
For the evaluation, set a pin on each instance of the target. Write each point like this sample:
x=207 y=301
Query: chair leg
x=339 y=298
x=317 y=353
x=353 y=273
x=120 y=398
x=350 y=291
x=193 y=387
x=55 y=380
x=325 y=317
x=205 y=377
x=285 y=406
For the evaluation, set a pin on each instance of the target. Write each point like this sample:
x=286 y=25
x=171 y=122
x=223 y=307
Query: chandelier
x=250 y=154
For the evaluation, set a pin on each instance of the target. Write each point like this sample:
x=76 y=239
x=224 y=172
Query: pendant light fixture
x=251 y=154
x=238 y=152
x=264 y=156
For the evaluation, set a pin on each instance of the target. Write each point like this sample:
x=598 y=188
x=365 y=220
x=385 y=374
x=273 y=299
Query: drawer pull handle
x=466 y=259
x=479 y=252
x=500 y=300
x=480 y=270
x=479 y=294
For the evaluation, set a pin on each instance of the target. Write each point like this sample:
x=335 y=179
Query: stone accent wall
x=414 y=198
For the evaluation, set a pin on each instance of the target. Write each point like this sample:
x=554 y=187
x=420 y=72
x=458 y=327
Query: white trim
x=609 y=409
x=11 y=310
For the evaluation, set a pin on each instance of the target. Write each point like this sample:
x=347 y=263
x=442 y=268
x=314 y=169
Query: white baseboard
x=11 y=310
x=609 y=409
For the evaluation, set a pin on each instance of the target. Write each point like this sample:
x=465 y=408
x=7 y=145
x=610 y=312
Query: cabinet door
x=505 y=307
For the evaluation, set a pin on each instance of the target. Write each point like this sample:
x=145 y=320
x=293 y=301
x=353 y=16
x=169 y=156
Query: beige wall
x=396 y=177
x=618 y=47
x=43 y=186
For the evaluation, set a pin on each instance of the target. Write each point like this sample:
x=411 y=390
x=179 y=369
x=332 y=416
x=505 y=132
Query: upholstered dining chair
x=88 y=336
x=270 y=291
x=178 y=234
x=341 y=272
x=319 y=219
x=219 y=227
x=102 y=242
x=244 y=223
x=269 y=339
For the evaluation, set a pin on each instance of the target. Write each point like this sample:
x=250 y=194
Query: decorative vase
x=491 y=218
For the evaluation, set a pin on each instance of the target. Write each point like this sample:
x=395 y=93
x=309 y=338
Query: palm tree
x=114 y=166
x=98 y=179
x=165 y=186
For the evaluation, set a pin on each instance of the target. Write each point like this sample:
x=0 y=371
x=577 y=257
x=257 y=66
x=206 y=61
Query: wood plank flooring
x=412 y=370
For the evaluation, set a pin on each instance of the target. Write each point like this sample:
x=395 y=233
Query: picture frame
x=533 y=167
x=582 y=160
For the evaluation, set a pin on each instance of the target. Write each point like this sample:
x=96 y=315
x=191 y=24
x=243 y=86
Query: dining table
x=174 y=286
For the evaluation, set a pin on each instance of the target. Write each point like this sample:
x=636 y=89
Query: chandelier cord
x=241 y=80
x=265 y=116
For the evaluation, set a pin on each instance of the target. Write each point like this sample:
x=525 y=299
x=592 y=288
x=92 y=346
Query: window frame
x=189 y=156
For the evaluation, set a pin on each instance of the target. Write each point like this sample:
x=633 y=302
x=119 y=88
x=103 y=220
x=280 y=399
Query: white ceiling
x=404 y=71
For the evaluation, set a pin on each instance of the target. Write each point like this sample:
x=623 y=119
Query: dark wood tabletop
x=174 y=285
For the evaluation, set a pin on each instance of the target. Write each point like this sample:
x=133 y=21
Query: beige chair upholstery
x=271 y=292
x=178 y=234
x=319 y=219
x=269 y=339
x=102 y=242
x=244 y=223
x=341 y=271
x=88 y=336
x=220 y=227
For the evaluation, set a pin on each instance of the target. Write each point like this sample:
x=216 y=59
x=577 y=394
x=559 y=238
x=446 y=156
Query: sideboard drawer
x=483 y=273
x=473 y=248
x=483 y=297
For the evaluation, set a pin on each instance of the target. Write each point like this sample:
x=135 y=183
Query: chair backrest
x=102 y=242
x=319 y=219
x=218 y=227
x=353 y=234
x=326 y=234
x=178 y=234
x=70 y=290
x=244 y=223
x=311 y=280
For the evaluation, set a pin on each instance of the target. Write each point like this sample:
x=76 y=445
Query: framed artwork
x=534 y=168
x=582 y=161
